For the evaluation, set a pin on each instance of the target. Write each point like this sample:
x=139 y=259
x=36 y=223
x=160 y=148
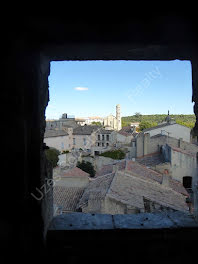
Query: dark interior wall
x=29 y=46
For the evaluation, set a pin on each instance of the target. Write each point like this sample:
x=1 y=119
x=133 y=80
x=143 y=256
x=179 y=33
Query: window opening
x=135 y=132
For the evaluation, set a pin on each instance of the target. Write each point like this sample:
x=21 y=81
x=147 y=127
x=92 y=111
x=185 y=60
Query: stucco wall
x=182 y=165
x=62 y=160
x=112 y=206
x=175 y=130
x=163 y=166
x=154 y=143
x=101 y=161
x=90 y=141
x=132 y=152
x=61 y=143
x=139 y=145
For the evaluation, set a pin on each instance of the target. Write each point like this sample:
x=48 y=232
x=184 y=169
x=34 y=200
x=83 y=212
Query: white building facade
x=170 y=129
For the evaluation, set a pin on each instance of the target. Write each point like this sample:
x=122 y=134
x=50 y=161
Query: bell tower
x=118 y=117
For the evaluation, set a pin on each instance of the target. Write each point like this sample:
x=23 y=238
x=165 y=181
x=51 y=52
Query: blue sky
x=93 y=88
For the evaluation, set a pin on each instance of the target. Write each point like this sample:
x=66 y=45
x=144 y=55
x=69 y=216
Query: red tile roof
x=75 y=172
x=126 y=131
x=142 y=171
x=106 y=169
x=67 y=197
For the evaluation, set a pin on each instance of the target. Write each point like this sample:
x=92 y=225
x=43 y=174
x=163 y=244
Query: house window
x=62 y=145
x=98 y=144
x=102 y=137
x=107 y=137
x=84 y=141
x=98 y=137
x=102 y=144
x=107 y=144
x=187 y=182
x=74 y=141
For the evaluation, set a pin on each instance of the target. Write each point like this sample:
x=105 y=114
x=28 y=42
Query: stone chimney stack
x=165 y=178
x=146 y=140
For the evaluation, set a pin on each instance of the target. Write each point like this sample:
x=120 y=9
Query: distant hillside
x=186 y=120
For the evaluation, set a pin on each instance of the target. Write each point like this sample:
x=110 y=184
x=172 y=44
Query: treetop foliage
x=114 y=154
x=87 y=167
x=152 y=120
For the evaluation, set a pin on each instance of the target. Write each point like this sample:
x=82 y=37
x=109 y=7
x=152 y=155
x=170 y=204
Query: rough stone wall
x=94 y=205
x=25 y=99
x=26 y=94
x=100 y=161
x=194 y=62
x=112 y=206
x=45 y=168
x=133 y=150
x=163 y=166
x=140 y=145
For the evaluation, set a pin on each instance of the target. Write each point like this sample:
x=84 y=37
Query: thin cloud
x=81 y=88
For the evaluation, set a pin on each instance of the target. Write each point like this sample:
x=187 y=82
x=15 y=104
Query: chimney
x=165 y=178
x=146 y=140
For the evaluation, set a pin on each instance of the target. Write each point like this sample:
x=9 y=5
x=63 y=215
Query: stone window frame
x=153 y=55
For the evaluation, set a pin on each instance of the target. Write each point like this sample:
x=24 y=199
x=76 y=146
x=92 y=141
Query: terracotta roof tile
x=149 y=174
x=67 y=197
x=151 y=160
x=75 y=172
x=131 y=190
x=96 y=189
x=106 y=169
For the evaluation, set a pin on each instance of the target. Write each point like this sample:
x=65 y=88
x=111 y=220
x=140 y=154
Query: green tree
x=96 y=123
x=138 y=115
x=52 y=156
x=125 y=123
x=188 y=119
x=186 y=123
x=87 y=167
x=114 y=154
x=145 y=124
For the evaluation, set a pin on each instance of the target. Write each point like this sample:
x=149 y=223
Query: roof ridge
x=110 y=182
x=145 y=167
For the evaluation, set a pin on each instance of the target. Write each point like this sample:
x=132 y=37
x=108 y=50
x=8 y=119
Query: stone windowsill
x=83 y=221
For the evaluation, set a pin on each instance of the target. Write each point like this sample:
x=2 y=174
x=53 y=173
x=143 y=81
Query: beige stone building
x=180 y=162
x=171 y=129
x=58 y=139
x=123 y=137
x=84 y=137
x=113 y=122
x=61 y=123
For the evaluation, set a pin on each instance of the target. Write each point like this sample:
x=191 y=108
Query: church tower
x=118 y=117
